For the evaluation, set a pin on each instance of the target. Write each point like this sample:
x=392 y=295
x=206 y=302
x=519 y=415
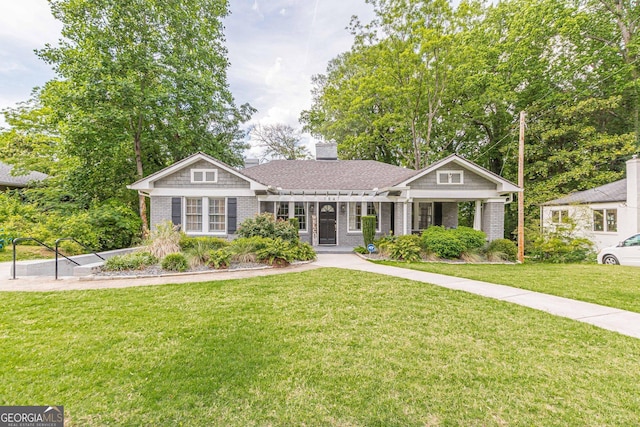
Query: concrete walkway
x=624 y=322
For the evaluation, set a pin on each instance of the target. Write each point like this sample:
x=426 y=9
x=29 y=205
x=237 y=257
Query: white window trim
x=292 y=207
x=363 y=209
x=204 y=176
x=561 y=216
x=205 y=216
x=605 y=225
x=448 y=173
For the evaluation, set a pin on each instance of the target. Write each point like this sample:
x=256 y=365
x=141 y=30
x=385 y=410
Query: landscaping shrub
x=164 y=240
x=265 y=225
x=295 y=223
x=201 y=242
x=361 y=250
x=175 y=262
x=383 y=244
x=560 y=249
x=244 y=249
x=471 y=239
x=368 y=229
x=276 y=252
x=502 y=249
x=304 y=252
x=131 y=261
x=443 y=243
x=405 y=248
x=219 y=258
x=116 y=225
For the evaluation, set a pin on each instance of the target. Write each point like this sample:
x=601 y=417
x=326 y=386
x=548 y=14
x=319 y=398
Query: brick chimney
x=633 y=191
x=327 y=150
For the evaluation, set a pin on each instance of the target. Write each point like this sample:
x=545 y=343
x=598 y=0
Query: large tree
x=279 y=141
x=140 y=84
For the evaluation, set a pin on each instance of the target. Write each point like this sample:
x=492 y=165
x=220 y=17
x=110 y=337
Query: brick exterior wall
x=449 y=215
x=493 y=220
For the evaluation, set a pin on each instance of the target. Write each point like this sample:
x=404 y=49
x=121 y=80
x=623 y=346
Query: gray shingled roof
x=328 y=174
x=8 y=180
x=613 y=192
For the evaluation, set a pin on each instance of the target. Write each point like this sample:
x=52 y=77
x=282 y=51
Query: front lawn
x=24 y=253
x=323 y=347
x=610 y=285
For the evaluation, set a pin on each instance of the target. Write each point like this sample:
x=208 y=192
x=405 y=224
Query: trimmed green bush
x=265 y=225
x=443 y=243
x=131 y=261
x=470 y=238
x=405 y=248
x=504 y=249
x=295 y=223
x=368 y=229
x=175 y=262
x=360 y=250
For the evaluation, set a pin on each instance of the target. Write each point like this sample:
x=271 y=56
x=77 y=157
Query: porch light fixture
x=343 y=207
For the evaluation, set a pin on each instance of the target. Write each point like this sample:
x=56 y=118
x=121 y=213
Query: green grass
x=610 y=285
x=24 y=253
x=323 y=347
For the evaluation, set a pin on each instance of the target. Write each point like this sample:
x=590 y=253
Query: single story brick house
x=606 y=215
x=328 y=196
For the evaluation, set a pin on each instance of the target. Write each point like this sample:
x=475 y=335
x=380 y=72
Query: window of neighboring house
x=450 y=177
x=194 y=214
x=560 y=216
x=300 y=213
x=204 y=176
x=605 y=220
x=282 y=211
x=217 y=215
x=355 y=214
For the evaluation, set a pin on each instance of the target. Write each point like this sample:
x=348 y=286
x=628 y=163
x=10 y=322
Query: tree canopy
x=426 y=79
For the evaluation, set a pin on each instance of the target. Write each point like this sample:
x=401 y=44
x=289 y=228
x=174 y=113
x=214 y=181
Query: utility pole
x=521 y=195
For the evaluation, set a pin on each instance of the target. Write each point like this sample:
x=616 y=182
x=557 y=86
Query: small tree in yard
x=368 y=229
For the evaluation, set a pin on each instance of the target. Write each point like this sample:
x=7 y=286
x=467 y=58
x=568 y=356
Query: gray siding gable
x=182 y=178
x=472 y=181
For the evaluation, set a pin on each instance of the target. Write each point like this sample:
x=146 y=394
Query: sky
x=274 y=47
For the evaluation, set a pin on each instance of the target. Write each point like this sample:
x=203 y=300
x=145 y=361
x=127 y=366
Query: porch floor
x=333 y=249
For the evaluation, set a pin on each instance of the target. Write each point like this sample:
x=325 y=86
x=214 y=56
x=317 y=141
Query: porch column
x=477 y=217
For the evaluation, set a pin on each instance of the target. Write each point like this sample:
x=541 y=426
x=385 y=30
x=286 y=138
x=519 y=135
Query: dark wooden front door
x=327 y=227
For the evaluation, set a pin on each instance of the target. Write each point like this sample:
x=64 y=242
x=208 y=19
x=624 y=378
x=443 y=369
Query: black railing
x=56 y=251
x=73 y=240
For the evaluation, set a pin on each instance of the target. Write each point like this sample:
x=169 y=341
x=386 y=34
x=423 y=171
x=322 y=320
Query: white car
x=626 y=252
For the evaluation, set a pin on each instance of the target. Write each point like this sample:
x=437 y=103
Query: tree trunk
x=142 y=203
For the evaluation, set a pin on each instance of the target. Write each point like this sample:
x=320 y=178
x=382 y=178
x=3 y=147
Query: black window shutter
x=176 y=210
x=232 y=215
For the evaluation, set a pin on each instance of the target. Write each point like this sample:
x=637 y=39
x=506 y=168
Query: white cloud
x=273 y=73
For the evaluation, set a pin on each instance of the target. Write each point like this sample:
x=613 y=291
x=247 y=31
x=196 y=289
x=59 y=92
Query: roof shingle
x=8 y=180
x=612 y=192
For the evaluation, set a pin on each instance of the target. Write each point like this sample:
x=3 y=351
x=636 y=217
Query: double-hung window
x=198 y=208
x=356 y=210
x=217 y=215
x=286 y=210
x=605 y=220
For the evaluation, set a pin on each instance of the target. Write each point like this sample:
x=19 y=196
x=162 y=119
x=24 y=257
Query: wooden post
x=521 y=185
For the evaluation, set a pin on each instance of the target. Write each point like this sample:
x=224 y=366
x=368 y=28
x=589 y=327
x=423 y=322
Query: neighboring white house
x=605 y=215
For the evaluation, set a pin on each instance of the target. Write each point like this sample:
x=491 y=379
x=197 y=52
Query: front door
x=327 y=227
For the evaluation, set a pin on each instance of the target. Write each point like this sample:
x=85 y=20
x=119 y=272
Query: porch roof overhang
x=279 y=194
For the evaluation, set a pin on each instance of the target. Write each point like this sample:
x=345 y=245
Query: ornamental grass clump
x=164 y=240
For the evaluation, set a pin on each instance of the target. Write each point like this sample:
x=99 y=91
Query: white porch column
x=477 y=217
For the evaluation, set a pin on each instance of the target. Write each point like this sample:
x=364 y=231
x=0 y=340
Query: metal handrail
x=74 y=240
x=25 y=239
